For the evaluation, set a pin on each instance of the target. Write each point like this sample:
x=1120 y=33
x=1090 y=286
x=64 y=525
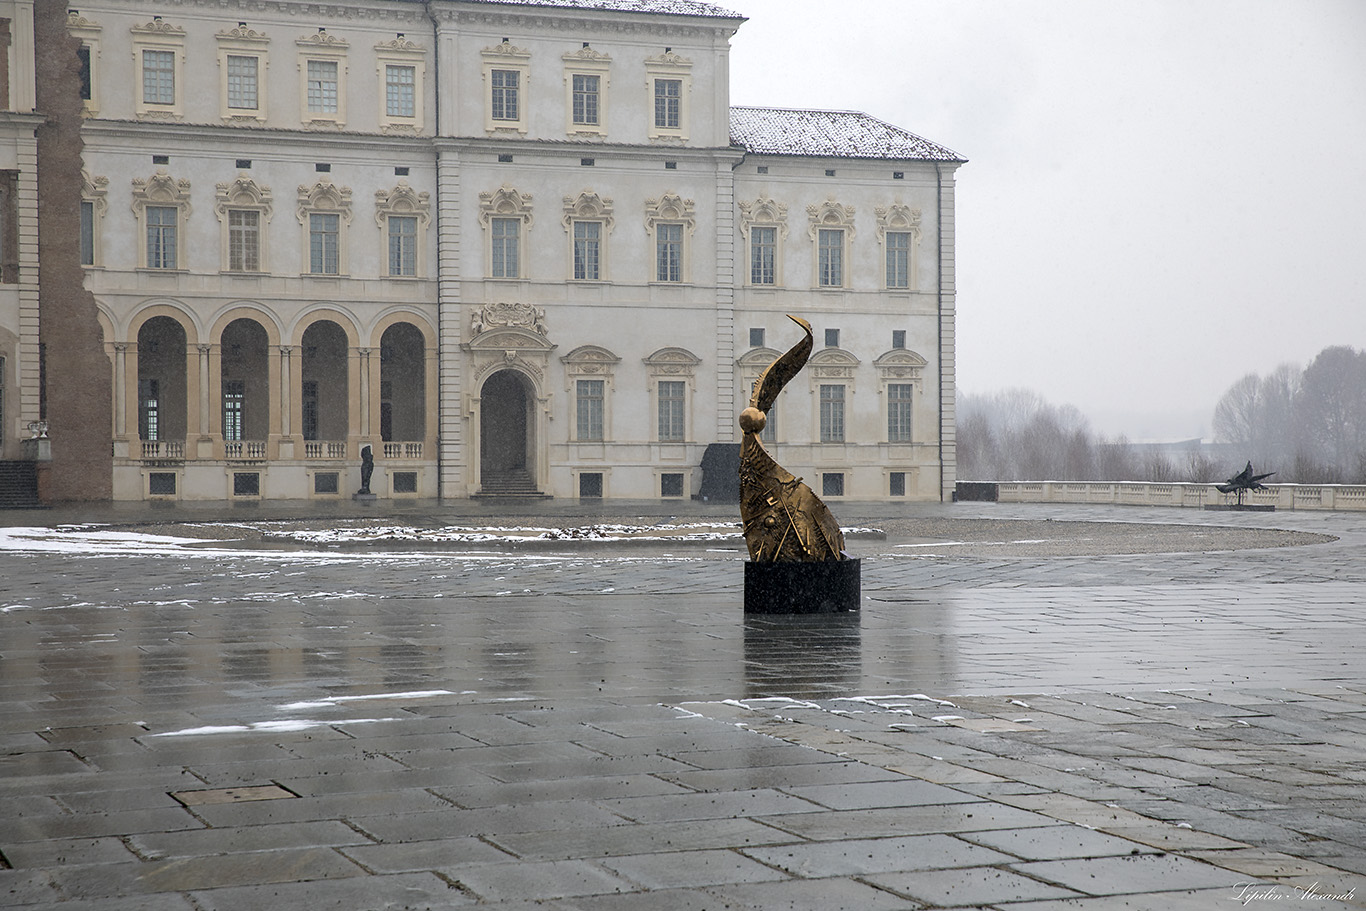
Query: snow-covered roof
x=663 y=7
x=828 y=134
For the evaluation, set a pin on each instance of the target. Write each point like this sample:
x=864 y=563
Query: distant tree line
x=1306 y=425
x=1016 y=435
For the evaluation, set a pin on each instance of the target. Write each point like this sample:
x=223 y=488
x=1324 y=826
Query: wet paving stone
x=547 y=729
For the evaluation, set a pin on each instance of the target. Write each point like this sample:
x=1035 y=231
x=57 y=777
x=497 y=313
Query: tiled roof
x=828 y=134
x=664 y=7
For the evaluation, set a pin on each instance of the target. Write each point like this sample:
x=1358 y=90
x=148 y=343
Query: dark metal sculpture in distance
x=1244 y=481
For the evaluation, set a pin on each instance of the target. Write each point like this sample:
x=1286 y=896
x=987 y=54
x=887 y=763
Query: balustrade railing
x=163 y=449
x=407 y=450
x=1282 y=496
x=245 y=449
x=316 y=449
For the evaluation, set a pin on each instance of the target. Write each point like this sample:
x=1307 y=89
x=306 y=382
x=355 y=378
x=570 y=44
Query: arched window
x=402 y=384
x=161 y=380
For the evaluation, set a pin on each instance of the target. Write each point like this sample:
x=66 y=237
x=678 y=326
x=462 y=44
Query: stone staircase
x=515 y=484
x=19 y=485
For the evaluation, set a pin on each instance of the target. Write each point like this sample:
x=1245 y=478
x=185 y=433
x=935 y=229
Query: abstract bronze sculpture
x=1243 y=481
x=786 y=525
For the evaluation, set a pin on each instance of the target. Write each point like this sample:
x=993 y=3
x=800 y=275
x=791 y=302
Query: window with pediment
x=670 y=221
x=589 y=372
x=87 y=32
x=244 y=209
x=586 y=77
x=668 y=80
x=324 y=213
x=159 y=64
x=161 y=204
x=94 y=203
x=763 y=224
x=403 y=215
x=322 y=80
x=898 y=229
x=401 y=65
x=831 y=230
x=832 y=380
x=901 y=380
x=588 y=220
x=243 y=59
x=507 y=75
x=672 y=378
x=505 y=214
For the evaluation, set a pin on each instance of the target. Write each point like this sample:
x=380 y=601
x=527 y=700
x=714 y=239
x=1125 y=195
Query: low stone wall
x=1144 y=493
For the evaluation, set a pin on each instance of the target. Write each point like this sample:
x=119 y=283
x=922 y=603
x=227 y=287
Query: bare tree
x=1331 y=409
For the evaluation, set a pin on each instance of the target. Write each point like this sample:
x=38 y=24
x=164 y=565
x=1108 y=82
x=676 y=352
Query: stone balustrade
x=1144 y=493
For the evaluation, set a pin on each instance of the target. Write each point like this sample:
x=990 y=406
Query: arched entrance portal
x=506 y=438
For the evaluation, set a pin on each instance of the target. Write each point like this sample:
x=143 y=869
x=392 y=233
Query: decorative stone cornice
x=830 y=214
x=158 y=26
x=588 y=205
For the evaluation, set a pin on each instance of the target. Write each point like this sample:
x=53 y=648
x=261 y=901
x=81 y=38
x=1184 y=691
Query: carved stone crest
x=510 y=315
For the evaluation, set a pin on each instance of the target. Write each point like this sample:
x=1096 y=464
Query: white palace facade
x=514 y=246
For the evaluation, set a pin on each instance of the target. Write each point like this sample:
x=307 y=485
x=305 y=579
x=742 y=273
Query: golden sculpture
x=784 y=520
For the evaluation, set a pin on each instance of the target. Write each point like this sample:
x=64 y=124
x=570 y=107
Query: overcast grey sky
x=1161 y=195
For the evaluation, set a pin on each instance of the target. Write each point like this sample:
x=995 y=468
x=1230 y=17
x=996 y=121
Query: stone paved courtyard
x=1038 y=708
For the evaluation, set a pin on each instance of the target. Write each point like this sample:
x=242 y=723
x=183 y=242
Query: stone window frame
x=401 y=51
x=406 y=202
x=87 y=32
x=900 y=219
x=672 y=364
x=588 y=206
x=830 y=216
x=162 y=190
x=764 y=213
x=901 y=366
x=158 y=35
x=670 y=209
x=95 y=191
x=244 y=194
x=587 y=62
x=590 y=362
x=327 y=48
x=832 y=367
x=506 y=56
x=669 y=65
x=243 y=41
x=505 y=202
x=325 y=198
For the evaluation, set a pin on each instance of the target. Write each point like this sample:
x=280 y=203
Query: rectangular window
x=246 y=483
x=898 y=259
x=83 y=53
x=588 y=250
x=896 y=485
x=668 y=103
x=322 y=86
x=586 y=100
x=326 y=482
x=832 y=338
x=244 y=240
x=832 y=413
x=234 y=399
x=898 y=338
x=669 y=253
x=158 y=77
x=505 y=233
x=672 y=402
x=832 y=484
x=149 y=410
x=309 y=395
x=405 y=482
x=763 y=255
x=403 y=245
x=87 y=234
x=590 y=484
x=324 y=236
x=505 y=87
x=590 y=410
x=756 y=338
x=161 y=237
x=899 y=413
x=671 y=485
x=399 y=98
x=242 y=87
x=161 y=483
x=830 y=258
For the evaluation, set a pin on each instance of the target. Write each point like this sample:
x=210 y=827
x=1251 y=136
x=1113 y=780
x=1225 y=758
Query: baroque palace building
x=514 y=246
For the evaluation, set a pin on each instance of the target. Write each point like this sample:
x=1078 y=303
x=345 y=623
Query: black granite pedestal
x=824 y=587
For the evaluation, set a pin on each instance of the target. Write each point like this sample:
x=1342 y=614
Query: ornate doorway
x=504 y=434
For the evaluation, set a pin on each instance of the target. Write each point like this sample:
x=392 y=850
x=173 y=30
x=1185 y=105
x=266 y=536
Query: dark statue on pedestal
x=367 y=468
x=797 y=559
